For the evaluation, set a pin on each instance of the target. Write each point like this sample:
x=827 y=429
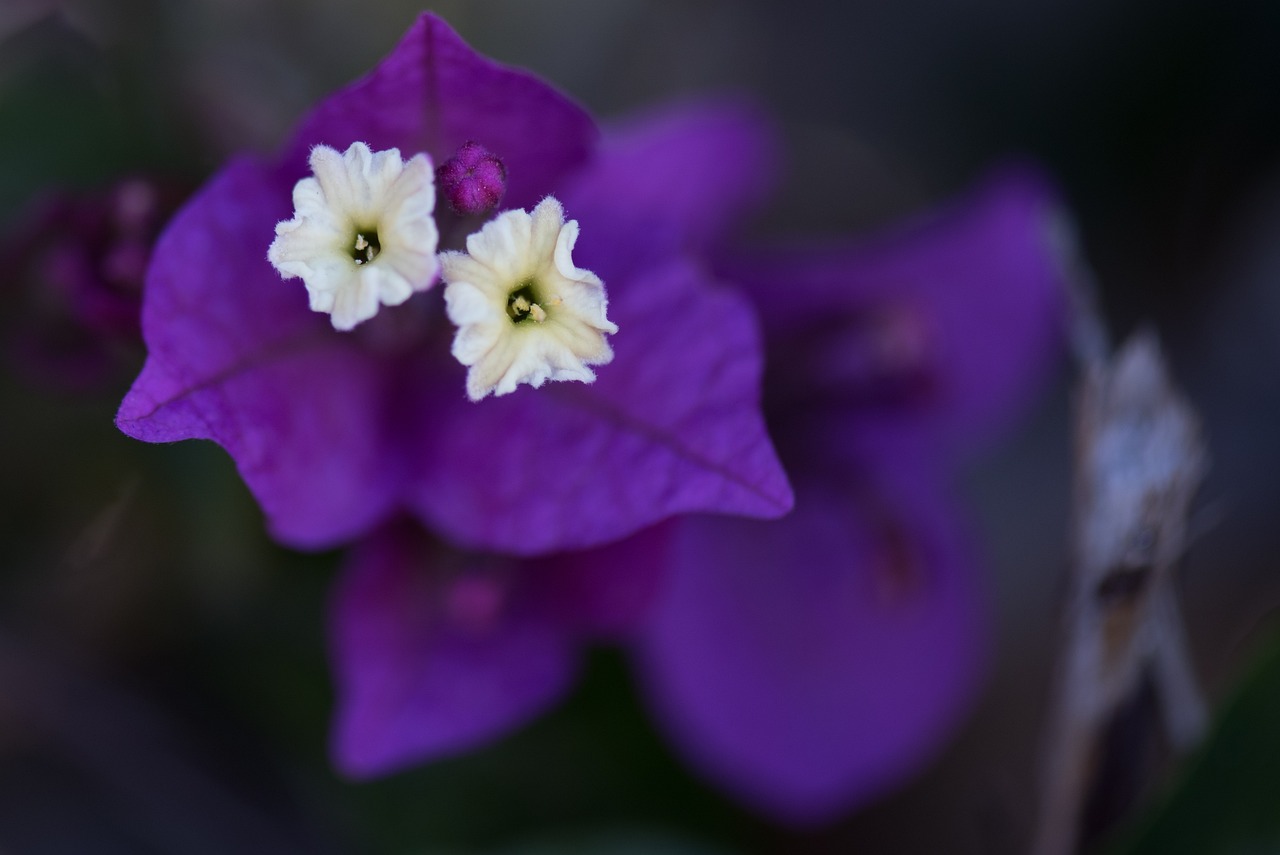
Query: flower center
x=366 y=247
x=522 y=305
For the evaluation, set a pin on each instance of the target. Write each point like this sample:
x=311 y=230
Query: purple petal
x=235 y=356
x=812 y=663
x=672 y=425
x=436 y=652
x=605 y=592
x=433 y=93
x=974 y=293
x=676 y=179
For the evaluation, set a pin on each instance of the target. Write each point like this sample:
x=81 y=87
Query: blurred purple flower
x=813 y=663
x=807 y=664
x=437 y=650
x=336 y=433
x=75 y=295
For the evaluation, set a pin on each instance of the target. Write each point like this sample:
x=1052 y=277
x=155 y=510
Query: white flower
x=362 y=232
x=524 y=312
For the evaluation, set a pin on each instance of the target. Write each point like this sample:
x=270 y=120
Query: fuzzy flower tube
x=582 y=377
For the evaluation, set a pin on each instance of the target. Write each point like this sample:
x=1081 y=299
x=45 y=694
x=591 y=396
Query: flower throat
x=367 y=246
x=522 y=305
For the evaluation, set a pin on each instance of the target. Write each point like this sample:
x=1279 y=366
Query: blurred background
x=163 y=685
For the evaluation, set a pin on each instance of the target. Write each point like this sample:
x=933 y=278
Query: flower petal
x=812 y=663
x=235 y=356
x=688 y=174
x=433 y=93
x=436 y=652
x=985 y=277
x=672 y=425
x=607 y=591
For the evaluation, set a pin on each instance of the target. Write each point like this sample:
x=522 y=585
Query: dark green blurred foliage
x=78 y=114
x=1226 y=801
x=60 y=109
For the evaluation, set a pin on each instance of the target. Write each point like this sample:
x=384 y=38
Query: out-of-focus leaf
x=1228 y=802
x=626 y=842
x=59 y=115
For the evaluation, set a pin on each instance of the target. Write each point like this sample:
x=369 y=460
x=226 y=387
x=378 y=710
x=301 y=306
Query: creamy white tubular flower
x=524 y=312
x=362 y=232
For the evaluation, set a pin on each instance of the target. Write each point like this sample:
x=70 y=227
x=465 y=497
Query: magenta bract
x=335 y=433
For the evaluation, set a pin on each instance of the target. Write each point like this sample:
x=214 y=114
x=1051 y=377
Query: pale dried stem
x=1139 y=460
x=1186 y=717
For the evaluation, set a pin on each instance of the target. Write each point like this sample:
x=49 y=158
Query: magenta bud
x=473 y=180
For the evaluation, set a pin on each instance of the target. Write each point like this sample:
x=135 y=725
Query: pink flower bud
x=473 y=180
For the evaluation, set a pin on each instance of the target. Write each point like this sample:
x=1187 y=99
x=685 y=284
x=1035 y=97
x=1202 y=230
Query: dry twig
x=1139 y=460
